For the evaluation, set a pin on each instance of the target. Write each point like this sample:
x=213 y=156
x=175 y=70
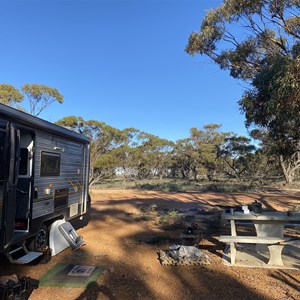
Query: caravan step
x=20 y=255
x=27 y=258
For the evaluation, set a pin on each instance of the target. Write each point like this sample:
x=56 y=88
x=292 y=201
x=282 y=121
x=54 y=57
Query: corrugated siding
x=71 y=169
x=42 y=208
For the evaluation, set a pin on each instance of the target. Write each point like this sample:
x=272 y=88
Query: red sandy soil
x=118 y=242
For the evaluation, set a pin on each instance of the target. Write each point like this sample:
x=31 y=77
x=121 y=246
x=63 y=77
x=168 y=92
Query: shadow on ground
x=120 y=243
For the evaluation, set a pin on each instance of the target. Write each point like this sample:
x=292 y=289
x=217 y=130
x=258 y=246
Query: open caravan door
x=10 y=152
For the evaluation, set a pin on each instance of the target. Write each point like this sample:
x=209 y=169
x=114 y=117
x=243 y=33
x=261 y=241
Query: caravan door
x=9 y=156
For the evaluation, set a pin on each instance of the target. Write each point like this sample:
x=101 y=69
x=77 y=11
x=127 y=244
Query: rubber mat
x=68 y=275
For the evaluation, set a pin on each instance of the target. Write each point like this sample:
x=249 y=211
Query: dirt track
x=120 y=243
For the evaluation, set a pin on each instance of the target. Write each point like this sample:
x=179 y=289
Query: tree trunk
x=290 y=166
x=288 y=172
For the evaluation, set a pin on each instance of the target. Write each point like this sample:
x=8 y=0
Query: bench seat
x=253 y=239
x=275 y=245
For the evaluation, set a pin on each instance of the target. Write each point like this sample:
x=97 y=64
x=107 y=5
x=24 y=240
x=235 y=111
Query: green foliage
x=143 y=217
x=207 y=142
x=265 y=28
x=274 y=103
x=185 y=159
x=151 y=156
x=170 y=219
x=75 y=123
x=134 y=154
x=9 y=94
x=235 y=156
x=40 y=96
x=261 y=167
x=108 y=145
x=259 y=179
x=259 y=42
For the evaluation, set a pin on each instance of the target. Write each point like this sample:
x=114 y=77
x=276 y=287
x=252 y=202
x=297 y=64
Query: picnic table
x=269 y=227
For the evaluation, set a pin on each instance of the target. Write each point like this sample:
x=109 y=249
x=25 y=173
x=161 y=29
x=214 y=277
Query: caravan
x=44 y=171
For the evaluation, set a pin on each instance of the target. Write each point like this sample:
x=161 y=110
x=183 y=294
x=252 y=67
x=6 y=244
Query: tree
x=157 y=152
x=206 y=142
x=9 y=95
x=125 y=153
x=274 y=104
x=185 y=159
x=106 y=145
x=287 y=158
x=261 y=167
x=265 y=28
x=264 y=52
x=40 y=96
x=235 y=156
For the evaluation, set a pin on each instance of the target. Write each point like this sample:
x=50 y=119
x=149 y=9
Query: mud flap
x=62 y=235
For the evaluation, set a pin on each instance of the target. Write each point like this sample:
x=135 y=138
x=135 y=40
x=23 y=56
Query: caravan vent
x=73 y=210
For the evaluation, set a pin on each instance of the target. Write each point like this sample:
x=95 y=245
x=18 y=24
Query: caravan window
x=50 y=164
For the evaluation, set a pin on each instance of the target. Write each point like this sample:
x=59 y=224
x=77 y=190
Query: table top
x=264 y=216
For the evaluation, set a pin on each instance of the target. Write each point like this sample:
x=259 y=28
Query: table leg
x=232 y=253
x=267 y=228
x=232 y=245
x=275 y=255
x=233 y=228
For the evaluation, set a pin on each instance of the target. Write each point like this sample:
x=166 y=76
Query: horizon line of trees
x=206 y=152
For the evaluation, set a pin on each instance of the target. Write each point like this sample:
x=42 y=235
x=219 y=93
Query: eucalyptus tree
x=106 y=142
x=261 y=167
x=40 y=96
x=9 y=95
x=258 y=41
x=153 y=155
x=185 y=159
x=235 y=156
x=206 y=142
x=269 y=148
x=126 y=152
x=275 y=106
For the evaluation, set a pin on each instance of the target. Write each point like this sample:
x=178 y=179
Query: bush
x=143 y=217
x=170 y=220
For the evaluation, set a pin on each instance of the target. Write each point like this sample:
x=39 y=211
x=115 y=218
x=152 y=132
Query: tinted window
x=50 y=164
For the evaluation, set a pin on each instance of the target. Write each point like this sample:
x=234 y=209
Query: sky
x=121 y=62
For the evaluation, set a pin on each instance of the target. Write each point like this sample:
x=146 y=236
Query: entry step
x=20 y=255
x=27 y=258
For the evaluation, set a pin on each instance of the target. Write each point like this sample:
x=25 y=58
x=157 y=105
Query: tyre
x=40 y=242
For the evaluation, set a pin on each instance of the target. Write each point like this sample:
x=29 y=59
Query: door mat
x=67 y=275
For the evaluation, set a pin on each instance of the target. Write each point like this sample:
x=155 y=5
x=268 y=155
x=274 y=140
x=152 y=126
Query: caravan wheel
x=40 y=241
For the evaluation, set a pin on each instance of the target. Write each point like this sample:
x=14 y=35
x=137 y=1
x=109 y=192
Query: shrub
x=143 y=217
x=170 y=219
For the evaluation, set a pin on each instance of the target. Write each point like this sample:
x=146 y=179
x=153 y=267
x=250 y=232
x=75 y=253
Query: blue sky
x=120 y=62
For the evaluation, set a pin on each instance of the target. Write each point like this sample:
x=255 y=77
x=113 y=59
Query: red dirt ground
x=117 y=241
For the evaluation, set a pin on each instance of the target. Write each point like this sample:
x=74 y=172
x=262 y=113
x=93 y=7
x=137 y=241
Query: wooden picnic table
x=269 y=228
